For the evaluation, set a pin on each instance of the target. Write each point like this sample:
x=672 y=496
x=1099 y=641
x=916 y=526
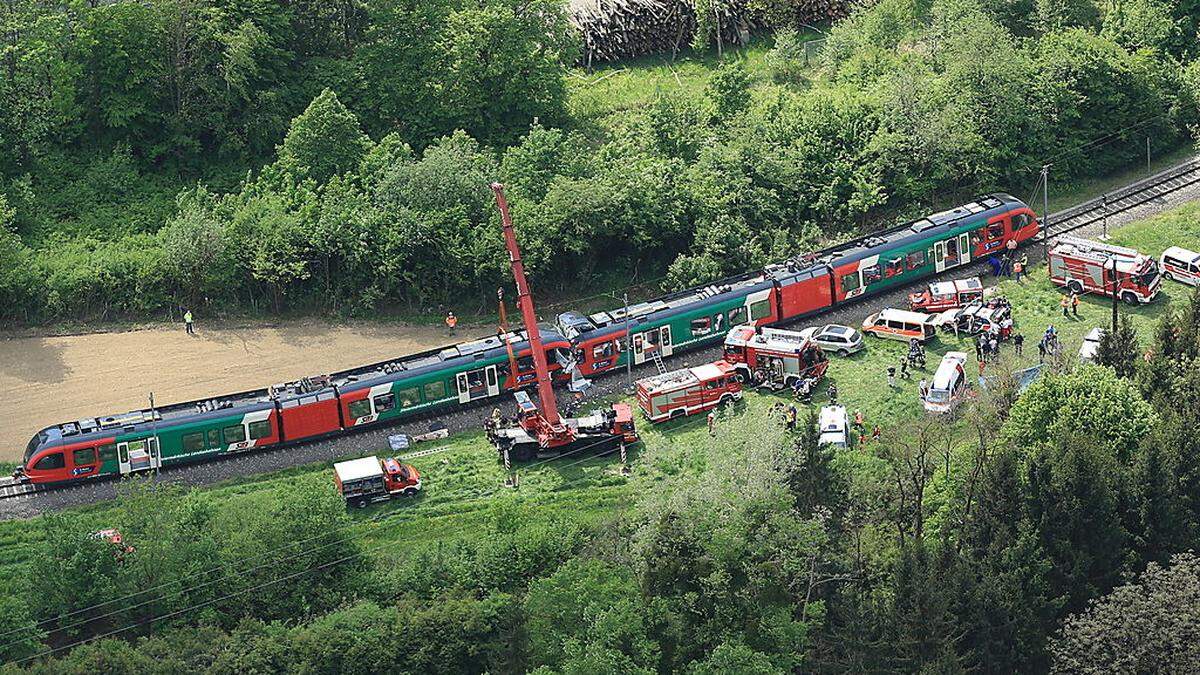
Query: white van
x=1181 y=265
x=899 y=324
x=834 y=426
x=949 y=383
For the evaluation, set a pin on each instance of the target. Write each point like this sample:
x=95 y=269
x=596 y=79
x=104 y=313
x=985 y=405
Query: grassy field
x=465 y=483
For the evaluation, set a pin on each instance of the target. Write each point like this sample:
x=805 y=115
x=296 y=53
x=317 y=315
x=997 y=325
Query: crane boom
x=549 y=405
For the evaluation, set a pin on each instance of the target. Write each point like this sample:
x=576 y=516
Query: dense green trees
x=381 y=125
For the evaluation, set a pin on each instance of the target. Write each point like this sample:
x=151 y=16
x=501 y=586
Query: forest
x=1052 y=531
x=334 y=157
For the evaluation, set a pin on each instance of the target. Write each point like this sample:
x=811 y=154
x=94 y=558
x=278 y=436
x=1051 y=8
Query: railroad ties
x=11 y=489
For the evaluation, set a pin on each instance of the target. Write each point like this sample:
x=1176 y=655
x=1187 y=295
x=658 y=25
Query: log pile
x=618 y=29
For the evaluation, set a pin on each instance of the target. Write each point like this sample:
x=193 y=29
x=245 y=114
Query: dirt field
x=57 y=379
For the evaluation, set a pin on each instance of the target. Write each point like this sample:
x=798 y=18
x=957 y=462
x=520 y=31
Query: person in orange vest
x=452 y=321
x=1075 y=304
x=1065 y=303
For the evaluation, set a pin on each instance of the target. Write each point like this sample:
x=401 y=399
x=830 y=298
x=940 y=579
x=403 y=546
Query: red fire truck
x=774 y=357
x=688 y=391
x=1084 y=266
x=370 y=479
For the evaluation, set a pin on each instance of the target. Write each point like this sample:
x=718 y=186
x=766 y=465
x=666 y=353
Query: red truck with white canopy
x=775 y=357
x=687 y=391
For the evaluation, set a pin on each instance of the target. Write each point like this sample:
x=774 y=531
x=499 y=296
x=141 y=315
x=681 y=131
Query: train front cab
x=50 y=462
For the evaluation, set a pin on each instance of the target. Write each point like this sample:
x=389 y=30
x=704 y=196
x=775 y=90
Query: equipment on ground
x=369 y=479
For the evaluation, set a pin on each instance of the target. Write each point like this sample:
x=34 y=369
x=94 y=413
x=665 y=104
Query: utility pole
x=1104 y=218
x=155 y=453
x=1046 y=211
x=628 y=338
x=1147 y=154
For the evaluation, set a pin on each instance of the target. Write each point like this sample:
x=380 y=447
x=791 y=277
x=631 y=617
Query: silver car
x=841 y=340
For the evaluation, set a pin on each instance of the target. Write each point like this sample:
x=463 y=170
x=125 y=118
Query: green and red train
x=445 y=378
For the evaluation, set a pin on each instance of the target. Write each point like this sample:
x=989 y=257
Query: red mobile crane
x=539 y=430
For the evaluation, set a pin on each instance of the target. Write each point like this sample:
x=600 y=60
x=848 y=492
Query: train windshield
x=34 y=443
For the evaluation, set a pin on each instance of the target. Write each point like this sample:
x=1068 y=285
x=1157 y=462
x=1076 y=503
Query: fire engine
x=774 y=357
x=943 y=295
x=688 y=391
x=1082 y=266
x=370 y=479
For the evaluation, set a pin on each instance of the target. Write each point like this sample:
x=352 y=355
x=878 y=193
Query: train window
x=234 y=434
x=1021 y=220
x=360 y=408
x=434 y=391
x=409 y=397
x=525 y=363
x=737 y=315
x=108 y=452
x=718 y=322
x=84 y=456
x=603 y=350
x=760 y=310
x=260 y=429
x=214 y=438
x=49 y=462
x=850 y=282
x=871 y=274
x=193 y=442
x=385 y=402
x=895 y=266
x=916 y=259
x=995 y=230
x=701 y=326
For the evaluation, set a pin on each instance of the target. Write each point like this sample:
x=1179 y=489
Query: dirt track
x=56 y=379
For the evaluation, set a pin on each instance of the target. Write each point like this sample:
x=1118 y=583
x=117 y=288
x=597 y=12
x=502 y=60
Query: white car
x=841 y=340
x=949 y=383
x=1091 y=345
x=834 y=426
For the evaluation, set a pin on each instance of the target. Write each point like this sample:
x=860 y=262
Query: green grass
x=1080 y=190
x=464 y=485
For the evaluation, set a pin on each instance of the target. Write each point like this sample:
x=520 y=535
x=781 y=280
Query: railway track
x=34 y=499
x=1123 y=199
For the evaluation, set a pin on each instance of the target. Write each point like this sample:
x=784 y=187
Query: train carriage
x=458 y=375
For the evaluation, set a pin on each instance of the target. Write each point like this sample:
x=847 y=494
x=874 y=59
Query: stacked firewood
x=619 y=29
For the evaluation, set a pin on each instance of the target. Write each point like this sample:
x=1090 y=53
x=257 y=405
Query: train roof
x=414 y=365
x=982 y=208
x=794 y=269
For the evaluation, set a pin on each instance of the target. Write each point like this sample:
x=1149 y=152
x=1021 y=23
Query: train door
x=140 y=455
x=964 y=248
x=475 y=384
x=664 y=340
x=639 y=348
x=939 y=255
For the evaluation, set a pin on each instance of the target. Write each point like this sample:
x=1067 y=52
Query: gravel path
x=375 y=440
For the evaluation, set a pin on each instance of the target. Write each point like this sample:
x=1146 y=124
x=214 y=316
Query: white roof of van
x=1182 y=254
x=890 y=314
x=944 y=376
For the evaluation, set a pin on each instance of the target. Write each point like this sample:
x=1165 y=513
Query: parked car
x=1091 y=345
x=899 y=324
x=949 y=383
x=1181 y=265
x=834 y=426
x=841 y=340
